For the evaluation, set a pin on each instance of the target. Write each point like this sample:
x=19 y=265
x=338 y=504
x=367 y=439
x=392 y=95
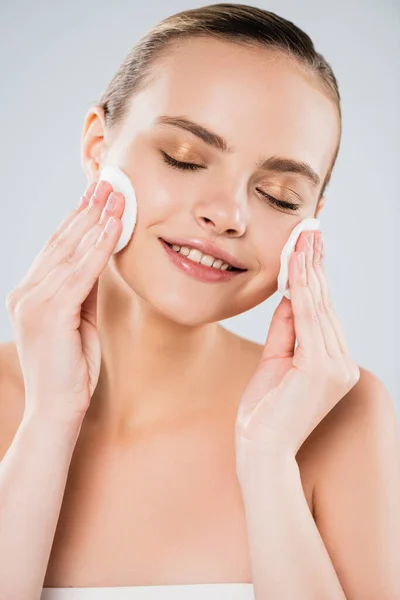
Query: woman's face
x=264 y=106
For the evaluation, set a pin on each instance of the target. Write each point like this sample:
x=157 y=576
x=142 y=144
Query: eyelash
x=193 y=167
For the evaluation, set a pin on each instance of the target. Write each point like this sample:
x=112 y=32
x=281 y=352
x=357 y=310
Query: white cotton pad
x=287 y=251
x=122 y=183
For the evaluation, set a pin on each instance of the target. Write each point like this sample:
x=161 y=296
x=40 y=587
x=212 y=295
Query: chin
x=184 y=310
x=181 y=298
x=182 y=305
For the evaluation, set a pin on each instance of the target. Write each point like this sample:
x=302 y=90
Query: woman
x=152 y=447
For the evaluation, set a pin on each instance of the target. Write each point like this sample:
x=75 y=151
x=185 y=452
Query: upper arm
x=357 y=491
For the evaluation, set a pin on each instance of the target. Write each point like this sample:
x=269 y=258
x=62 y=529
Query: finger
x=306 y=323
x=35 y=273
x=281 y=334
x=330 y=339
x=81 y=274
x=85 y=274
x=89 y=305
x=114 y=207
x=320 y=272
x=78 y=208
x=65 y=244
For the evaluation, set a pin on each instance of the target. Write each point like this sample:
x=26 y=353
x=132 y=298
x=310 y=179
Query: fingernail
x=98 y=187
x=88 y=192
x=111 y=202
x=96 y=193
x=310 y=241
x=322 y=245
x=301 y=261
x=90 y=188
x=110 y=205
x=318 y=242
x=111 y=224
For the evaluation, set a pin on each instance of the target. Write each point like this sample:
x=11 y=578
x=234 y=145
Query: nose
x=221 y=216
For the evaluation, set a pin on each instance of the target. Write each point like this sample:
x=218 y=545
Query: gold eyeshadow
x=184 y=152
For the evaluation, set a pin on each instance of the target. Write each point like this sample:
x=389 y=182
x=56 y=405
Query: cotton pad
x=122 y=183
x=308 y=224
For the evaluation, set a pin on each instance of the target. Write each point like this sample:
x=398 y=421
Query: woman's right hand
x=53 y=310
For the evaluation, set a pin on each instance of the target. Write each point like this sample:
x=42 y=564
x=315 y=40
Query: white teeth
x=197 y=256
x=207 y=260
x=217 y=263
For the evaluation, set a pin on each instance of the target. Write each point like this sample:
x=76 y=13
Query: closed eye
x=180 y=165
x=184 y=166
x=280 y=203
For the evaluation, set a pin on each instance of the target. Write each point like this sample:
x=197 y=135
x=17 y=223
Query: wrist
x=255 y=468
x=53 y=425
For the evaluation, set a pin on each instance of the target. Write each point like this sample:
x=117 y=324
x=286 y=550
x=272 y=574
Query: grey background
x=57 y=57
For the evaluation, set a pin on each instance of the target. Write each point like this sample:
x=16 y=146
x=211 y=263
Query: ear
x=93 y=146
x=320 y=206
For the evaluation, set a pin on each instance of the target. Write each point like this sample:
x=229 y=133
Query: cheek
x=159 y=194
x=268 y=243
x=154 y=204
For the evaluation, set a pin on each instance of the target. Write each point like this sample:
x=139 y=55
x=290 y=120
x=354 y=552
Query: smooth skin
x=152 y=494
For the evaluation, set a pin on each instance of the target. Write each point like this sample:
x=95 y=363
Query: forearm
x=33 y=476
x=288 y=557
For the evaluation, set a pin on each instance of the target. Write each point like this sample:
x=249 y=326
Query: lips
x=207 y=247
x=230 y=268
x=197 y=270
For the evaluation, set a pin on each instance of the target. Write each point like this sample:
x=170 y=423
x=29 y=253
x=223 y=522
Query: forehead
x=261 y=102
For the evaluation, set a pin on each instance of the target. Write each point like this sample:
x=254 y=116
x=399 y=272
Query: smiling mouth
x=196 y=256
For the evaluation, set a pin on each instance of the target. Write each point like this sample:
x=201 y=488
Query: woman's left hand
x=291 y=390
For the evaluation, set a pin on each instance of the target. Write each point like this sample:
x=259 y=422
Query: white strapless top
x=195 y=591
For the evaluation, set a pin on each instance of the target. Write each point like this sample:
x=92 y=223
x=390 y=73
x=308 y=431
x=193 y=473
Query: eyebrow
x=273 y=163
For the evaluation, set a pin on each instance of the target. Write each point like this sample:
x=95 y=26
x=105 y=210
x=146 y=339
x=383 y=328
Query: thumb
x=89 y=305
x=280 y=344
x=281 y=336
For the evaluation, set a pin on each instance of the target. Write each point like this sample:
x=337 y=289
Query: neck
x=152 y=368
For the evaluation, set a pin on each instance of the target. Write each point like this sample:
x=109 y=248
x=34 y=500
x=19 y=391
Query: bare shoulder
x=356 y=500
x=356 y=425
x=12 y=398
x=367 y=409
